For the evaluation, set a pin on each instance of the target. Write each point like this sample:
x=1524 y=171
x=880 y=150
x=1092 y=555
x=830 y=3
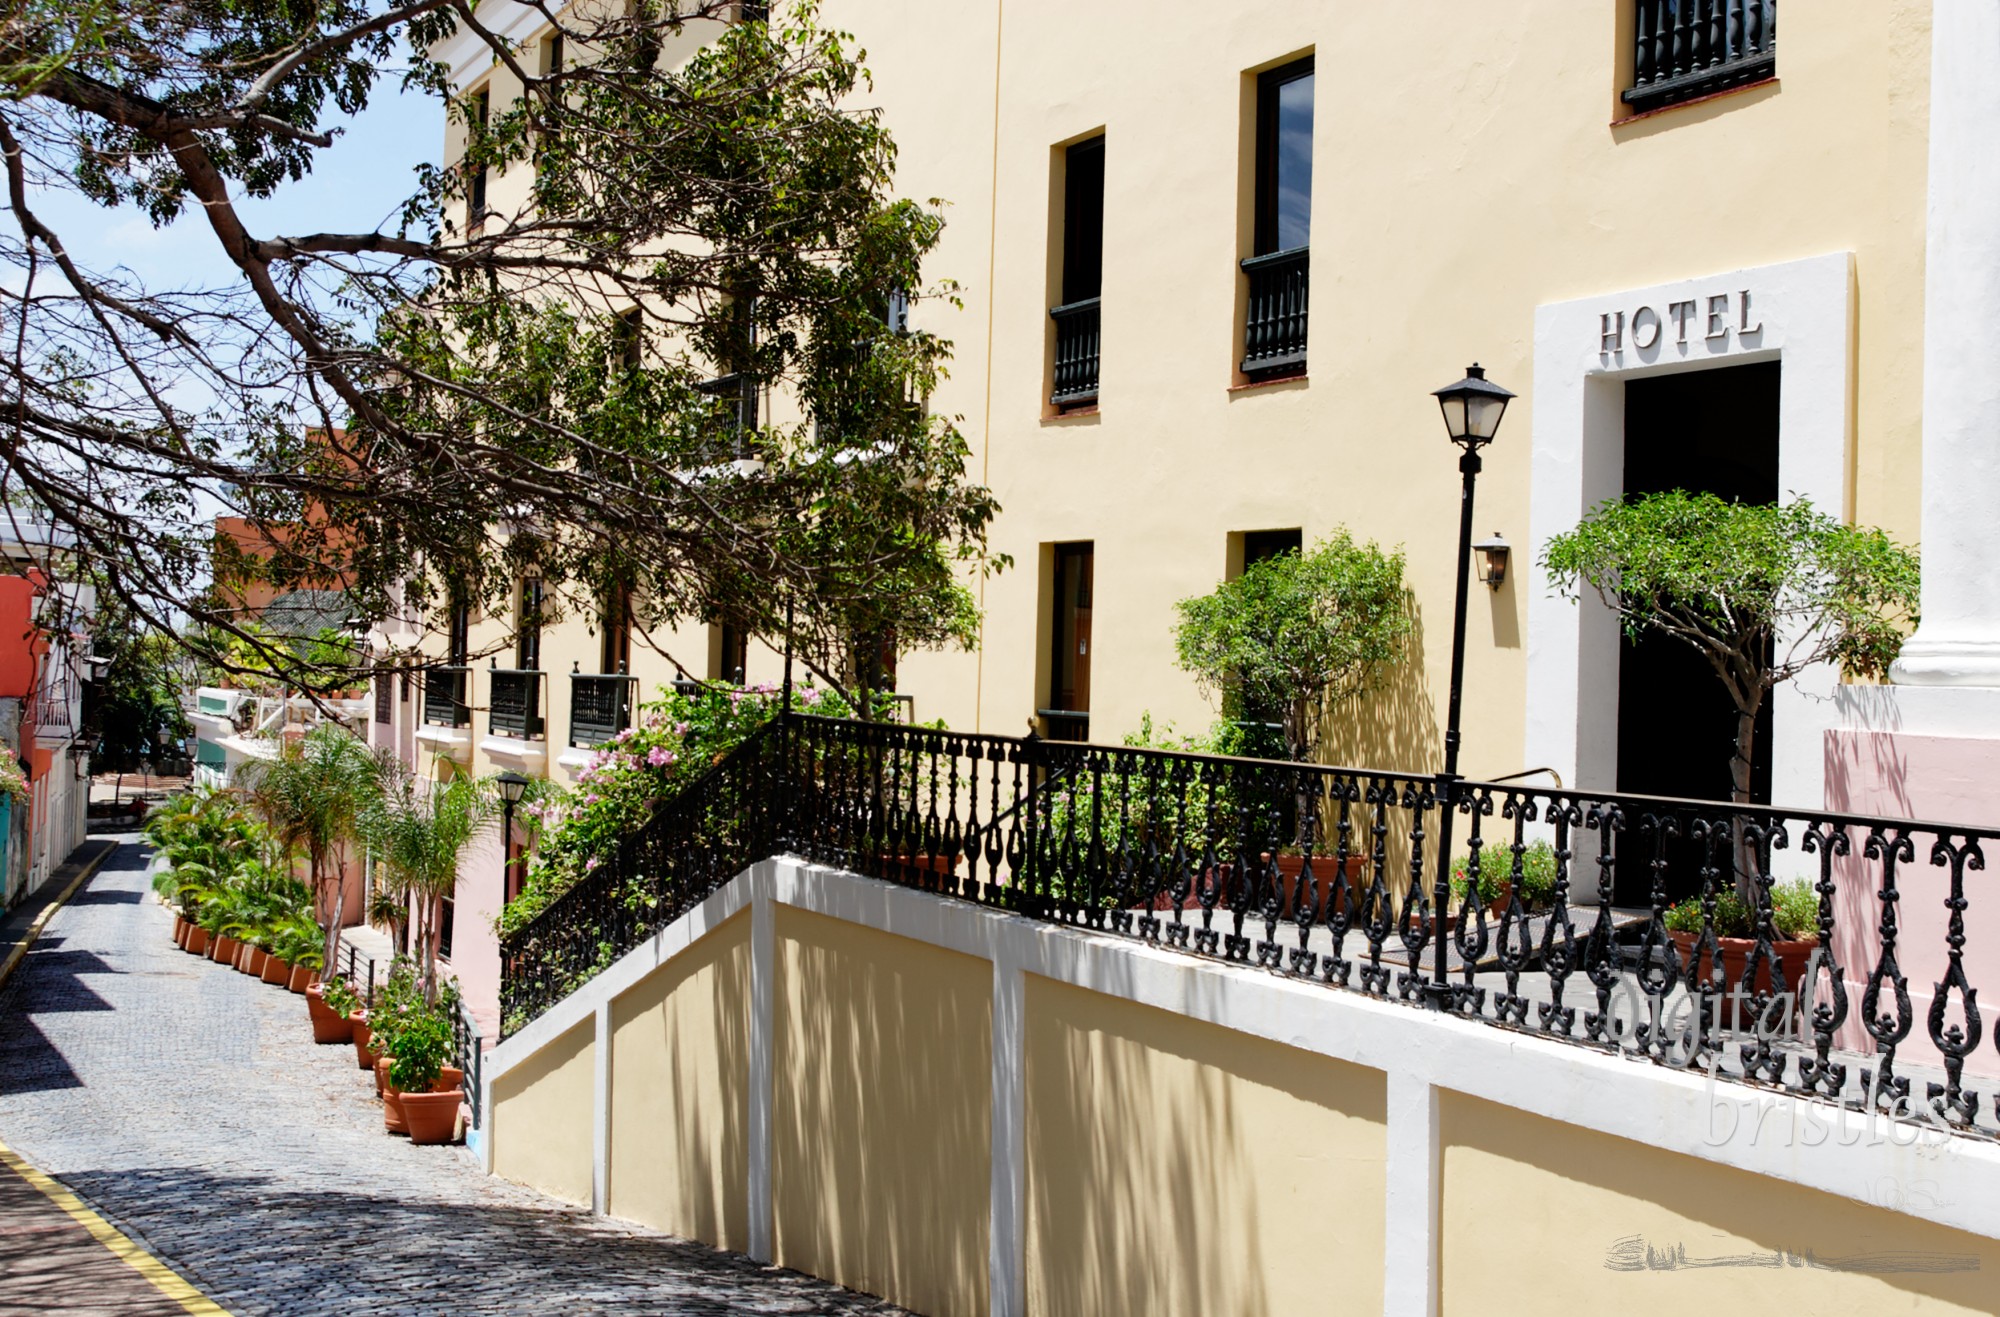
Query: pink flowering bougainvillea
x=677 y=740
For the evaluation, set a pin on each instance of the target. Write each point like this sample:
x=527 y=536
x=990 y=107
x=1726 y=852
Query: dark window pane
x=1294 y=162
x=1083 y=221
x=1069 y=675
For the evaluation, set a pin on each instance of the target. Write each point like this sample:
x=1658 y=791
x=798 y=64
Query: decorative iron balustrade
x=600 y=706
x=1689 y=48
x=1331 y=875
x=1079 y=338
x=514 y=703
x=1274 y=322
x=467 y=1050
x=717 y=826
x=445 y=690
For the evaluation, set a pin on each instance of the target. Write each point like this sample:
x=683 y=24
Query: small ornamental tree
x=1762 y=591
x=1298 y=633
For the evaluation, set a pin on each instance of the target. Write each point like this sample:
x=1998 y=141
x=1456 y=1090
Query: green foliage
x=1794 y=913
x=224 y=872
x=135 y=707
x=1496 y=873
x=414 y=1031
x=466 y=369
x=341 y=997
x=313 y=793
x=677 y=739
x=1297 y=633
x=1761 y=591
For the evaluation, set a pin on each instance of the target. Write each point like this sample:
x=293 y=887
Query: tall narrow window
x=528 y=626
x=552 y=54
x=732 y=654
x=615 y=631
x=459 y=641
x=1078 y=322
x=628 y=342
x=482 y=104
x=1068 y=711
x=1274 y=337
x=447 y=907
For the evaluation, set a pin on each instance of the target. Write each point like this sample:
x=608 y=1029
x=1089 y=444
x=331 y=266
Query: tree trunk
x=339 y=901
x=1740 y=760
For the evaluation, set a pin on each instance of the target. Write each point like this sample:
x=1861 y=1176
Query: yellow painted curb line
x=155 y=1271
x=20 y=950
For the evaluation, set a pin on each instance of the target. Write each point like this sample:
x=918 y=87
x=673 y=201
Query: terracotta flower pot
x=1736 y=954
x=222 y=949
x=448 y=1077
x=197 y=940
x=253 y=962
x=364 y=1055
x=302 y=977
x=392 y=1112
x=432 y=1117
x=327 y=1025
x=276 y=971
x=180 y=929
x=381 y=1075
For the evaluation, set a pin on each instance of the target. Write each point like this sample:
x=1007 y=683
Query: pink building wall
x=1946 y=779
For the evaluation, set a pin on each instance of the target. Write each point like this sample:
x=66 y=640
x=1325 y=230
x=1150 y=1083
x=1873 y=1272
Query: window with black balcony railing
x=1687 y=49
x=1078 y=322
x=1274 y=317
x=600 y=706
x=514 y=703
x=445 y=702
x=1077 y=340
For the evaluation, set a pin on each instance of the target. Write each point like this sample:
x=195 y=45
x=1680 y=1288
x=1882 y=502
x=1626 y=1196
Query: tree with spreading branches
x=577 y=382
x=1761 y=591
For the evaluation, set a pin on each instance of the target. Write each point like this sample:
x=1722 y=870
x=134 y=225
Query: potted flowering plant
x=1794 y=923
x=418 y=1076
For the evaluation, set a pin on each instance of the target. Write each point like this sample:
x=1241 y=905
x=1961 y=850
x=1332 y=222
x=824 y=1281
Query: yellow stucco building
x=1213 y=263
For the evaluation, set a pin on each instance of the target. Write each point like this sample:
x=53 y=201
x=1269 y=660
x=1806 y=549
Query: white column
x=1412 y=1191
x=1007 y=1231
x=1959 y=641
x=763 y=1047
x=600 y=1123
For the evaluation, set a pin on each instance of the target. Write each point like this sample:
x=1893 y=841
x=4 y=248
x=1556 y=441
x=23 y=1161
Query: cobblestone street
x=187 y=1104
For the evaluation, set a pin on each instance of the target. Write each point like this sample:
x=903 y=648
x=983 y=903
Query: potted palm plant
x=312 y=794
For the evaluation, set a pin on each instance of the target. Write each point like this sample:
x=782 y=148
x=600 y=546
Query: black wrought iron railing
x=1078 y=340
x=600 y=706
x=1824 y=954
x=1684 y=49
x=445 y=690
x=467 y=1048
x=1274 y=322
x=716 y=827
x=514 y=703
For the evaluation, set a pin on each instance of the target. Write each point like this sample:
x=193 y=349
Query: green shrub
x=1496 y=869
x=1794 y=913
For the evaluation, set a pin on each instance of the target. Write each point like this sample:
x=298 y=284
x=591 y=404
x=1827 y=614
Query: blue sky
x=356 y=186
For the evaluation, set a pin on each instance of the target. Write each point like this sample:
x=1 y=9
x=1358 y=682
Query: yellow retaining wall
x=1541 y=1217
x=1178 y=1167
x=882 y=1132
x=680 y=1098
x=541 y=1118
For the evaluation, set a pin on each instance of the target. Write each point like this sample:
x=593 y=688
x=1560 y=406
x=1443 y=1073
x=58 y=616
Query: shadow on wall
x=1176 y=1167
x=882 y=1131
x=1395 y=727
x=680 y=1151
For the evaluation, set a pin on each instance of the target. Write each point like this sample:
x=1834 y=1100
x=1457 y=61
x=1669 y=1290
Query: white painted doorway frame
x=1800 y=313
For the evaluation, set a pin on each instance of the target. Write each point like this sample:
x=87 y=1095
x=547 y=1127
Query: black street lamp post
x=1472 y=411
x=512 y=787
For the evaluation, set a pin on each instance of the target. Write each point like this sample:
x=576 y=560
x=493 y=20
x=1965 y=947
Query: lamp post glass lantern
x=1472 y=409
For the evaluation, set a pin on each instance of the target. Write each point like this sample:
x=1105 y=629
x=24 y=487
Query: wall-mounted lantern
x=1495 y=551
